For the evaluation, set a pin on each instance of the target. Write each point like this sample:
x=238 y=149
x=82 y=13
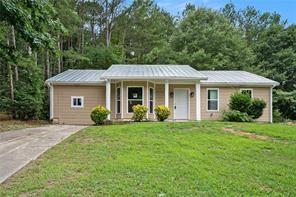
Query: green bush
x=256 y=108
x=240 y=102
x=140 y=112
x=236 y=116
x=99 y=114
x=277 y=116
x=162 y=112
x=286 y=103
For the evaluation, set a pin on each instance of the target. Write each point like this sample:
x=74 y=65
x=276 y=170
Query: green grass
x=7 y=125
x=171 y=159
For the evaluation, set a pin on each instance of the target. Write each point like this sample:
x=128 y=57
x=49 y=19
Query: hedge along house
x=190 y=94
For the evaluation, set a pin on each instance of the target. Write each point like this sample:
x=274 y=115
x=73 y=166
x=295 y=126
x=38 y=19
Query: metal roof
x=235 y=78
x=78 y=77
x=128 y=71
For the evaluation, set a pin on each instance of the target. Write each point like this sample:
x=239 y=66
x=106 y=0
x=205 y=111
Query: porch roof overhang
x=152 y=72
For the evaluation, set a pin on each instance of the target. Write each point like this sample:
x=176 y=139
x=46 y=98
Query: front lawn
x=164 y=159
x=7 y=125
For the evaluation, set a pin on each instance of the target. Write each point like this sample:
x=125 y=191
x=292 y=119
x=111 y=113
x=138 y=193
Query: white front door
x=181 y=104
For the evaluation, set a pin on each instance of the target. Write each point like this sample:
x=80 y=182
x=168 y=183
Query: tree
x=205 y=39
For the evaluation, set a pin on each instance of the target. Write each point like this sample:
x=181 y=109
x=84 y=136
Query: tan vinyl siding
x=93 y=96
x=224 y=98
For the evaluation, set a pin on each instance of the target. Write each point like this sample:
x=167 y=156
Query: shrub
x=99 y=114
x=256 y=108
x=236 y=116
x=286 y=103
x=240 y=102
x=140 y=112
x=277 y=116
x=162 y=112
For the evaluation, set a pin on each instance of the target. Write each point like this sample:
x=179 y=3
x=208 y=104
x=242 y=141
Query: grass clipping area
x=165 y=159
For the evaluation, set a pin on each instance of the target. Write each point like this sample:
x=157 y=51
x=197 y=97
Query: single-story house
x=190 y=94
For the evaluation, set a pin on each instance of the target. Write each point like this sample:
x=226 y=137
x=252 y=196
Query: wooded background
x=41 y=38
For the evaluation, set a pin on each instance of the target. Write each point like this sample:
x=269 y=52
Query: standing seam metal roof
x=78 y=76
x=123 y=71
x=235 y=77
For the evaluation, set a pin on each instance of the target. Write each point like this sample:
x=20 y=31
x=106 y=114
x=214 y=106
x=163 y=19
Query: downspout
x=50 y=86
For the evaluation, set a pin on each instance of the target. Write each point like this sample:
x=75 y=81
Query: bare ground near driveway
x=19 y=147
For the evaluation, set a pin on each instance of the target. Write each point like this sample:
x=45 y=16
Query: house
x=190 y=94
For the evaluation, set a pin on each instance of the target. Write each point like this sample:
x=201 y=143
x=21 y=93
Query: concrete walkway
x=19 y=147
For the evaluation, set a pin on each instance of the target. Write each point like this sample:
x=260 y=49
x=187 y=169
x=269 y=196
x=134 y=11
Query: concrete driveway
x=19 y=147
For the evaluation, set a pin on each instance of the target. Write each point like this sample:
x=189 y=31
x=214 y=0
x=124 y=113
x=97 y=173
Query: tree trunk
x=62 y=49
x=29 y=50
x=10 y=76
x=82 y=40
x=36 y=58
x=59 y=57
x=47 y=65
x=14 y=46
x=107 y=23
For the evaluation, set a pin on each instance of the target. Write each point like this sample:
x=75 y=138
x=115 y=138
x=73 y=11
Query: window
x=118 y=101
x=77 y=101
x=213 y=100
x=135 y=97
x=247 y=91
x=151 y=96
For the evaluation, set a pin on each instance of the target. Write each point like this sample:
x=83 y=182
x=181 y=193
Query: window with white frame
x=247 y=92
x=77 y=101
x=118 y=101
x=151 y=100
x=135 y=97
x=213 y=99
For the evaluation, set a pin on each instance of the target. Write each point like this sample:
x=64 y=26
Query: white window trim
x=77 y=97
x=251 y=89
x=153 y=100
x=116 y=100
x=218 y=99
x=134 y=99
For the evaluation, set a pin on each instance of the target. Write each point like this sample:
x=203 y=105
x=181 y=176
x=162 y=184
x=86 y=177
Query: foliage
x=162 y=112
x=206 y=40
x=277 y=116
x=236 y=116
x=256 y=108
x=99 y=114
x=285 y=102
x=240 y=102
x=140 y=112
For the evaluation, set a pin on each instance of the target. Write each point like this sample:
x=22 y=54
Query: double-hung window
x=135 y=97
x=248 y=92
x=213 y=99
x=77 y=101
x=118 y=100
x=151 y=100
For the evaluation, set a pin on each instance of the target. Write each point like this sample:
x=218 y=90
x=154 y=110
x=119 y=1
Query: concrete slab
x=19 y=147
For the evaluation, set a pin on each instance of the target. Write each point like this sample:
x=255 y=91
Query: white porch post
x=197 y=100
x=270 y=105
x=51 y=101
x=108 y=96
x=166 y=93
x=121 y=100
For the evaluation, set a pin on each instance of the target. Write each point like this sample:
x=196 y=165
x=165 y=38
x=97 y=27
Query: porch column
x=51 y=101
x=108 y=96
x=197 y=100
x=166 y=93
x=270 y=105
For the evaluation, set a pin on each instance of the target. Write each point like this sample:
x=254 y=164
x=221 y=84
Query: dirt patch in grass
x=8 y=125
x=253 y=135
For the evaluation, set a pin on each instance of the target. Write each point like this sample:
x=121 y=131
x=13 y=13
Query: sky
x=286 y=8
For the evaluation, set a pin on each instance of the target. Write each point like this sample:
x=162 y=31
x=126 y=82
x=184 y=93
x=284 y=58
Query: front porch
x=181 y=96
